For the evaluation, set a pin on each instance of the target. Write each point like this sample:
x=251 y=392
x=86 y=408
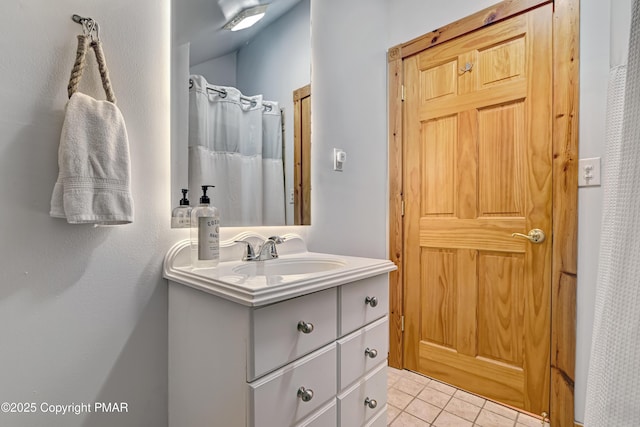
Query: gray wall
x=82 y=309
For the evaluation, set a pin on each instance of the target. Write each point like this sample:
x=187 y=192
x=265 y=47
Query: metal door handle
x=372 y=301
x=535 y=236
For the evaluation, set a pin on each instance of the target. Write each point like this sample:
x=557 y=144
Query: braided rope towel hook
x=88 y=27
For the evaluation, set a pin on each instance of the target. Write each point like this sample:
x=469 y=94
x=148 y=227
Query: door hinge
x=402 y=323
x=402 y=208
x=403 y=92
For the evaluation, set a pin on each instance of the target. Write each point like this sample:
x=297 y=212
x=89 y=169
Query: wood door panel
x=501 y=148
x=438 y=150
x=439 y=81
x=486 y=377
x=501 y=307
x=478 y=169
x=439 y=297
x=502 y=61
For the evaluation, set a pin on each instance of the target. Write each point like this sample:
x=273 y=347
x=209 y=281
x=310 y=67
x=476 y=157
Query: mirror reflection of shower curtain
x=226 y=150
x=273 y=190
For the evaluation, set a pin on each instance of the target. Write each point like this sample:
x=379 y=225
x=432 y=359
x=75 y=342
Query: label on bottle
x=208 y=238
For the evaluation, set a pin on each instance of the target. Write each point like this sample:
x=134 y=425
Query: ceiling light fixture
x=246 y=18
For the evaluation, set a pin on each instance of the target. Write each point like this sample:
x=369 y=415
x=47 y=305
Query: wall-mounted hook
x=467 y=67
x=89 y=25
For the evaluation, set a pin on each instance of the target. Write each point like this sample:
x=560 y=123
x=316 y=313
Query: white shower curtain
x=226 y=148
x=613 y=386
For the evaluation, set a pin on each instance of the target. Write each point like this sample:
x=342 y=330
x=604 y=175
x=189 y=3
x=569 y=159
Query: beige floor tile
x=528 y=421
x=462 y=409
x=434 y=397
x=392 y=413
x=491 y=419
x=501 y=410
x=446 y=419
x=416 y=377
x=409 y=386
x=406 y=420
x=423 y=410
x=398 y=398
x=445 y=388
x=470 y=398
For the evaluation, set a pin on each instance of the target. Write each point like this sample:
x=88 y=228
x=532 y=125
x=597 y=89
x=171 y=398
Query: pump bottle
x=181 y=215
x=205 y=233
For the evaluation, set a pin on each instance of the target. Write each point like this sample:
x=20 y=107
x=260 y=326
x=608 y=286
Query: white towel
x=93 y=183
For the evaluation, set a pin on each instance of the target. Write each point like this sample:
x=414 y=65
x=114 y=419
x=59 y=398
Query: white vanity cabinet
x=315 y=355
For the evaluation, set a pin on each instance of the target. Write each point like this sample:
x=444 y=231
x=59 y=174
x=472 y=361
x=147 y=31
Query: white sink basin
x=287 y=267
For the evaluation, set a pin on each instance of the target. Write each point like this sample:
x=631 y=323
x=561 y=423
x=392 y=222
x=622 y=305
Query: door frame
x=566 y=20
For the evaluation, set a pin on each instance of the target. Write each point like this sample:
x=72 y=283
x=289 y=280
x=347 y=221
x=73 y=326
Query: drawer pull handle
x=305 y=327
x=371 y=403
x=305 y=394
x=371 y=352
x=372 y=301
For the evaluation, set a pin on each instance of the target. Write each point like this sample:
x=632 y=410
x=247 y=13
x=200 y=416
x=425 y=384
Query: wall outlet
x=589 y=172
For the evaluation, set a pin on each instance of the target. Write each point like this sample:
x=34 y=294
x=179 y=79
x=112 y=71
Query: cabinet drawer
x=354 y=358
x=362 y=302
x=352 y=410
x=379 y=420
x=276 y=337
x=274 y=400
x=325 y=417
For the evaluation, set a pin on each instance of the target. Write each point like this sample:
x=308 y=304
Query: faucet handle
x=273 y=253
x=249 y=253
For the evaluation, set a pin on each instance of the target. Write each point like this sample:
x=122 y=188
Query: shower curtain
x=230 y=147
x=613 y=385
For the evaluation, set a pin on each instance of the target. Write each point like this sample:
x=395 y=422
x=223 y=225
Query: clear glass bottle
x=205 y=233
x=181 y=215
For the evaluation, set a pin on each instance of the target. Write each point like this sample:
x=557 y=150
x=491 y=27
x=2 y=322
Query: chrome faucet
x=267 y=249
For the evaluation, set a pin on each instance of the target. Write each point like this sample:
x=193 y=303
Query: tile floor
x=418 y=401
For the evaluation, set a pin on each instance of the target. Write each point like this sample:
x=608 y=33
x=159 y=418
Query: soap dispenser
x=181 y=215
x=205 y=233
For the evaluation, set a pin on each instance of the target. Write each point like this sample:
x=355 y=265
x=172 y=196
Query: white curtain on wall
x=613 y=386
x=227 y=148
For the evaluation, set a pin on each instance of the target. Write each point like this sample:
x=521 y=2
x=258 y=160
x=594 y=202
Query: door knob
x=534 y=236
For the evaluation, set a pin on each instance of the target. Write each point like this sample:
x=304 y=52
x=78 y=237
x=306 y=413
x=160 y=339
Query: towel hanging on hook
x=93 y=184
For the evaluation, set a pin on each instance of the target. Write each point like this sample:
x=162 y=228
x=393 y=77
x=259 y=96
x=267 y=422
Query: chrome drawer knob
x=372 y=301
x=305 y=327
x=371 y=352
x=305 y=394
x=371 y=403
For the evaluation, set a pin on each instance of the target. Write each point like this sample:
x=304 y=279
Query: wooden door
x=302 y=155
x=477 y=168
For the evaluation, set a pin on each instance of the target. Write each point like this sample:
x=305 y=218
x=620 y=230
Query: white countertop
x=255 y=290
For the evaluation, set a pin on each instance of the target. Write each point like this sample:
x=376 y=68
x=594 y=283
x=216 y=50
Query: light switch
x=339 y=157
x=589 y=172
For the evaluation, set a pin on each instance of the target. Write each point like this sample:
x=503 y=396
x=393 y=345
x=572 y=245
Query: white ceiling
x=200 y=22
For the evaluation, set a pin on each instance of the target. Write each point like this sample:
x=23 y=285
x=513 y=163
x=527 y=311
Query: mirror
x=271 y=59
